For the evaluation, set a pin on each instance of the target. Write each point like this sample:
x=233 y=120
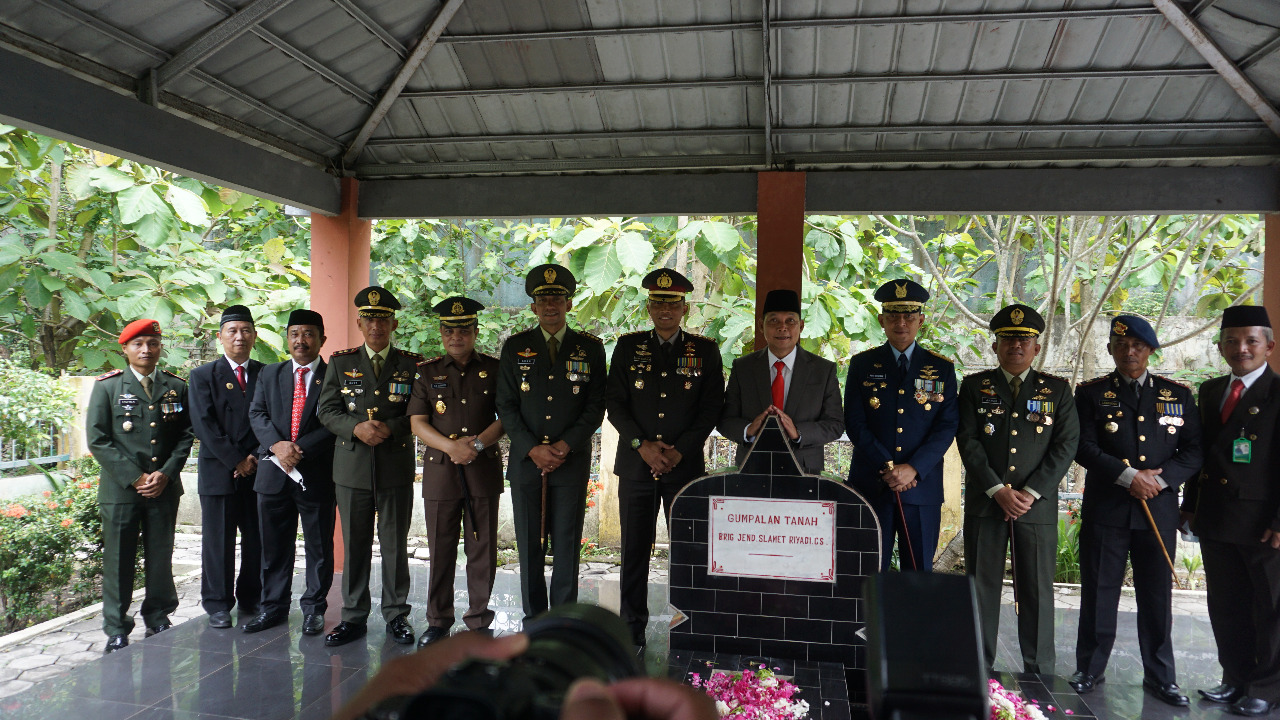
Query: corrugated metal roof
x=629 y=85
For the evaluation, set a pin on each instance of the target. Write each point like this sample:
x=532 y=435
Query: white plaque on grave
x=785 y=539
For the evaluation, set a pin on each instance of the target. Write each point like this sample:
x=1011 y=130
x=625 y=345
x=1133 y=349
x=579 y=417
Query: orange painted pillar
x=779 y=236
x=339 y=270
x=1271 y=276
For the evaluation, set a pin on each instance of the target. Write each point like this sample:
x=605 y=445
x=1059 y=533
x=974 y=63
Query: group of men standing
x=295 y=440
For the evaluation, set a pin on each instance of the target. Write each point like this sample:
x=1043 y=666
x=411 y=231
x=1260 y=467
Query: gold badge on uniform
x=688 y=384
x=874 y=402
x=230 y=386
x=524 y=386
x=1111 y=427
x=484 y=374
x=351 y=406
x=353 y=373
x=989 y=429
x=576 y=389
x=1253 y=410
x=440 y=407
x=127 y=425
x=640 y=384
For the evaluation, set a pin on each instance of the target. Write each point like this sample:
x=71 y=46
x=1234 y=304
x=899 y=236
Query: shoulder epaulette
x=1051 y=376
x=1171 y=381
x=348 y=351
x=428 y=361
x=940 y=355
x=486 y=356
x=980 y=373
x=174 y=375
x=410 y=355
x=1098 y=379
x=111 y=374
x=700 y=337
x=630 y=334
x=584 y=333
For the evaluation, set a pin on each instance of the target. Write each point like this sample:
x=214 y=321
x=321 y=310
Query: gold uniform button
x=1142 y=438
x=551 y=377
x=153 y=424
x=464 y=401
x=1142 y=458
x=151 y=407
x=377 y=392
x=157 y=460
x=1139 y=418
x=154 y=441
x=1015 y=414
x=1223 y=481
x=548 y=417
x=1012 y=468
x=661 y=415
x=548 y=398
x=662 y=395
x=1013 y=432
x=899 y=429
x=1013 y=450
x=902 y=392
x=658 y=437
x=464 y=429
x=898 y=449
x=664 y=373
x=900 y=411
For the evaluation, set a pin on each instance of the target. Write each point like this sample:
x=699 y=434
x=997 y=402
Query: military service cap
x=550 y=279
x=901 y=296
x=306 y=317
x=1017 y=321
x=458 y=311
x=781 y=301
x=137 y=328
x=376 y=302
x=665 y=285
x=236 y=313
x=1136 y=328
x=1245 y=316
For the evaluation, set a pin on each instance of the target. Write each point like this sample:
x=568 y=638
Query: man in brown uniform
x=453 y=411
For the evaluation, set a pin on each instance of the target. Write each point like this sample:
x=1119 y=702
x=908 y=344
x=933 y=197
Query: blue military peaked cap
x=1134 y=327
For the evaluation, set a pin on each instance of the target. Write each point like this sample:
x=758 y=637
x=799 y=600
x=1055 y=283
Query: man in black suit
x=551 y=394
x=665 y=389
x=1139 y=441
x=1234 y=506
x=295 y=477
x=220 y=394
x=786 y=381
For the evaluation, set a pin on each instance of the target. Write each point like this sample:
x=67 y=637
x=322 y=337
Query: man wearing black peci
x=295 y=477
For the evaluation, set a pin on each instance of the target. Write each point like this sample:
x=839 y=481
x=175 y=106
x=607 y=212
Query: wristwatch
x=478 y=445
x=635 y=443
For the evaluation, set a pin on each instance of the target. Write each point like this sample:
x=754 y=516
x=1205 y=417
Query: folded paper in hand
x=293 y=474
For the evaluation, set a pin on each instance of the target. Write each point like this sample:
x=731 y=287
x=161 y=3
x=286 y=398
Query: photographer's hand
x=411 y=674
x=636 y=699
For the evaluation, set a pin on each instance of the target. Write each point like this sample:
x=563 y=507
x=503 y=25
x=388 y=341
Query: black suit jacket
x=1235 y=502
x=1142 y=437
x=220 y=418
x=271 y=415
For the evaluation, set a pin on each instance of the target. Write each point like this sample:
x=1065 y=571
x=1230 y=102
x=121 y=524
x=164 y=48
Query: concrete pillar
x=779 y=236
x=952 y=510
x=1271 y=269
x=610 y=534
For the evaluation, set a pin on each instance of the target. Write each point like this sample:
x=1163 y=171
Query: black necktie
x=1137 y=389
x=902 y=365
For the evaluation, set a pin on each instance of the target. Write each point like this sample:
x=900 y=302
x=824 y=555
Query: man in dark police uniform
x=1139 y=441
x=362 y=402
x=665 y=390
x=786 y=381
x=284 y=419
x=453 y=411
x=220 y=395
x=1018 y=435
x=138 y=428
x=1234 y=506
x=900 y=411
x=551 y=395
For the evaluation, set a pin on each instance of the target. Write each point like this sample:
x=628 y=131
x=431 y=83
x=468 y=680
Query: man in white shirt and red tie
x=220 y=394
x=295 y=477
x=786 y=381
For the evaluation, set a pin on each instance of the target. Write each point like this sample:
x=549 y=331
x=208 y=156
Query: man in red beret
x=139 y=431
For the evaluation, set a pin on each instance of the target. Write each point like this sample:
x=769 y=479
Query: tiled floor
x=193 y=671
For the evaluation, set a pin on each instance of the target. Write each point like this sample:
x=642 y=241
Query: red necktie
x=240 y=377
x=299 y=399
x=1237 y=389
x=778 y=385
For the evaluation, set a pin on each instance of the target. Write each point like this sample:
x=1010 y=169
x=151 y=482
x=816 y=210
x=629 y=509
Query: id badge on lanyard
x=1241 y=450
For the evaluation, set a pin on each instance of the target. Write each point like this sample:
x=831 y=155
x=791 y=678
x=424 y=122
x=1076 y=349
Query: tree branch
x=933 y=269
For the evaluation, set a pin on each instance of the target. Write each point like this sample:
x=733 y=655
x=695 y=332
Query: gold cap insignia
x=900 y=290
x=664 y=280
x=457 y=308
x=374 y=297
x=549 y=275
x=1120 y=328
x=1016 y=316
x=155 y=327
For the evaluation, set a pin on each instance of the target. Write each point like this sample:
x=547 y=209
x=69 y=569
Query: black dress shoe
x=116 y=642
x=220 y=620
x=431 y=635
x=264 y=620
x=345 y=633
x=157 y=629
x=1082 y=682
x=313 y=624
x=400 y=630
x=1252 y=707
x=1223 y=693
x=1169 y=692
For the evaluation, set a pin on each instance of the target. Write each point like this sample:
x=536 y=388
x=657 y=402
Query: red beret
x=139 y=327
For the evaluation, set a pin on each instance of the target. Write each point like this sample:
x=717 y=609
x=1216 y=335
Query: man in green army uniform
x=362 y=402
x=139 y=430
x=551 y=394
x=1017 y=437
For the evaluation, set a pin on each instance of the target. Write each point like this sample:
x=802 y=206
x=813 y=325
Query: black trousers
x=565 y=511
x=220 y=517
x=638 y=505
x=1103 y=550
x=278 y=516
x=1244 y=609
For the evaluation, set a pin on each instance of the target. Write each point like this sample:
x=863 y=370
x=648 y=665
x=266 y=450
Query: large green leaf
x=634 y=252
x=602 y=268
x=11 y=251
x=110 y=180
x=188 y=206
x=37 y=294
x=155 y=228
x=586 y=238
x=135 y=305
x=139 y=201
x=722 y=236
x=75 y=306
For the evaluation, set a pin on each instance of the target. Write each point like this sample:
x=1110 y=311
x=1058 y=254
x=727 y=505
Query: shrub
x=31 y=403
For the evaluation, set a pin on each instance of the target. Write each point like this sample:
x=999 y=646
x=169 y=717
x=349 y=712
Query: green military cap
x=458 y=311
x=1017 y=321
x=550 y=279
x=901 y=296
x=376 y=302
x=665 y=285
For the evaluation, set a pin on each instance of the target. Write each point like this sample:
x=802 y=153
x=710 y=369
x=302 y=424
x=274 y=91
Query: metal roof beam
x=1085 y=191
x=372 y=26
x=216 y=38
x=1252 y=58
x=803 y=24
x=51 y=101
x=1210 y=51
x=1123 y=74
x=411 y=64
x=807 y=131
